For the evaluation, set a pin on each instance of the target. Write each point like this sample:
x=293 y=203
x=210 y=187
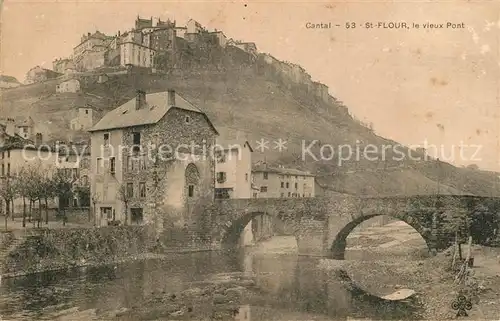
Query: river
x=291 y=287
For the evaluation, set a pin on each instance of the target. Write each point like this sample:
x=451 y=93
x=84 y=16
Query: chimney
x=10 y=127
x=140 y=99
x=38 y=139
x=171 y=97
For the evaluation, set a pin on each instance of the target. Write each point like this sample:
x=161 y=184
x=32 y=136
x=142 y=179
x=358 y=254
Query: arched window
x=192 y=177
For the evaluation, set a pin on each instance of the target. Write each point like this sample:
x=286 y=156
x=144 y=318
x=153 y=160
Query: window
x=296 y=185
x=287 y=184
x=130 y=189
x=106 y=212
x=191 y=190
x=265 y=175
x=187 y=119
x=106 y=139
x=221 y=157
x=282 y=184
x=142 y=163
x=8 y=154
x=142 y=189
x=136 y=215
x=99 y=165
x=86 y=112
x=3 y=169
x=112 y=165
x=246 y=177
x=130 y=164
x=289 y=194
x=136 y=138
x=221 y=177
x=263 y=189
x=223 y=193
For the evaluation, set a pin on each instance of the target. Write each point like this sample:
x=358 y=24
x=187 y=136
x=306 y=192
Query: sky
x=438 y=87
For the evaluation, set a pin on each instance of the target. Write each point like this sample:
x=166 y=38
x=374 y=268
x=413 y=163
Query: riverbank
x=432 y=280
x=54 y=249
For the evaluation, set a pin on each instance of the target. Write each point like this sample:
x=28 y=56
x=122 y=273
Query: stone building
x=85 y=118
x=74 y=161
x=25 y=126
x=273 y=182
x=68 y=86
x=39 y=74
x=149 y=162
x=233 y=169
x=94 y=51
x=61 y=64
x=17 y=152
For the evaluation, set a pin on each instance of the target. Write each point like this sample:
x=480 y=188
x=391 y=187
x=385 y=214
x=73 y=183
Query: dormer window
x=187 y=119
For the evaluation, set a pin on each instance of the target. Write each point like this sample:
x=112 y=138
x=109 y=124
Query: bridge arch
x=337 y=250
x=233 y=231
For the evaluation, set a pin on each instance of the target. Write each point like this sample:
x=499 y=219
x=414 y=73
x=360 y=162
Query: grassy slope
x=255 y=104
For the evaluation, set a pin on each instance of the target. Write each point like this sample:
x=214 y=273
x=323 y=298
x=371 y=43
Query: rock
x=220 y=299
x=121 y=312
x=234 y=293
x=193 y=292
x=246 y=283
x=177 y=313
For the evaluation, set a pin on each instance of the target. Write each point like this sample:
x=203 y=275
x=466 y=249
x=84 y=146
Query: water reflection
x=288 y=286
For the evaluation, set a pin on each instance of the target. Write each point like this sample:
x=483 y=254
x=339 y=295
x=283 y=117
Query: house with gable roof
x=149 y=162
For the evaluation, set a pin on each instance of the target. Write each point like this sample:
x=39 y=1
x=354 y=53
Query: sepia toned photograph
x=249 y=160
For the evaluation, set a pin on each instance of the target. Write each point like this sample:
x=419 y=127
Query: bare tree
x=47 y=191
x=124 y=197
x=22 y=183
x=8 y=191
x=63 y=189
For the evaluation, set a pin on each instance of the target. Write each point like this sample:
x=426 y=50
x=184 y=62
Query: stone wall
x=47 y=249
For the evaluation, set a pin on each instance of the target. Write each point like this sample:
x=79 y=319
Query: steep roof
x=15 y=141
x=156 y=107
x=233 y=143
x=278 y=170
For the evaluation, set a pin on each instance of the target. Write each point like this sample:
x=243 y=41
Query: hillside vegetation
x=249 y=99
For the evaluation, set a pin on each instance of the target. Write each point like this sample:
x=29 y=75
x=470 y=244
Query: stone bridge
x=322 y=224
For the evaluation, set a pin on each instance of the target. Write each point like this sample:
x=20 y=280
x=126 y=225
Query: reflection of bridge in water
x=295 y=283
x=321 y=225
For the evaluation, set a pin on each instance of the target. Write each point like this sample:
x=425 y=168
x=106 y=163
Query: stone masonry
x=322 y=224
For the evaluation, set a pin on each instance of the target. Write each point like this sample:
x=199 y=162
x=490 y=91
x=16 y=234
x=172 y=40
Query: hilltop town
x=246 y=95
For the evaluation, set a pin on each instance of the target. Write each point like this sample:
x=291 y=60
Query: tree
x=124 y=197
x=46 y=192
x=8 y=191
x=34 y=190
x=22 y=183
x=63 y=189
